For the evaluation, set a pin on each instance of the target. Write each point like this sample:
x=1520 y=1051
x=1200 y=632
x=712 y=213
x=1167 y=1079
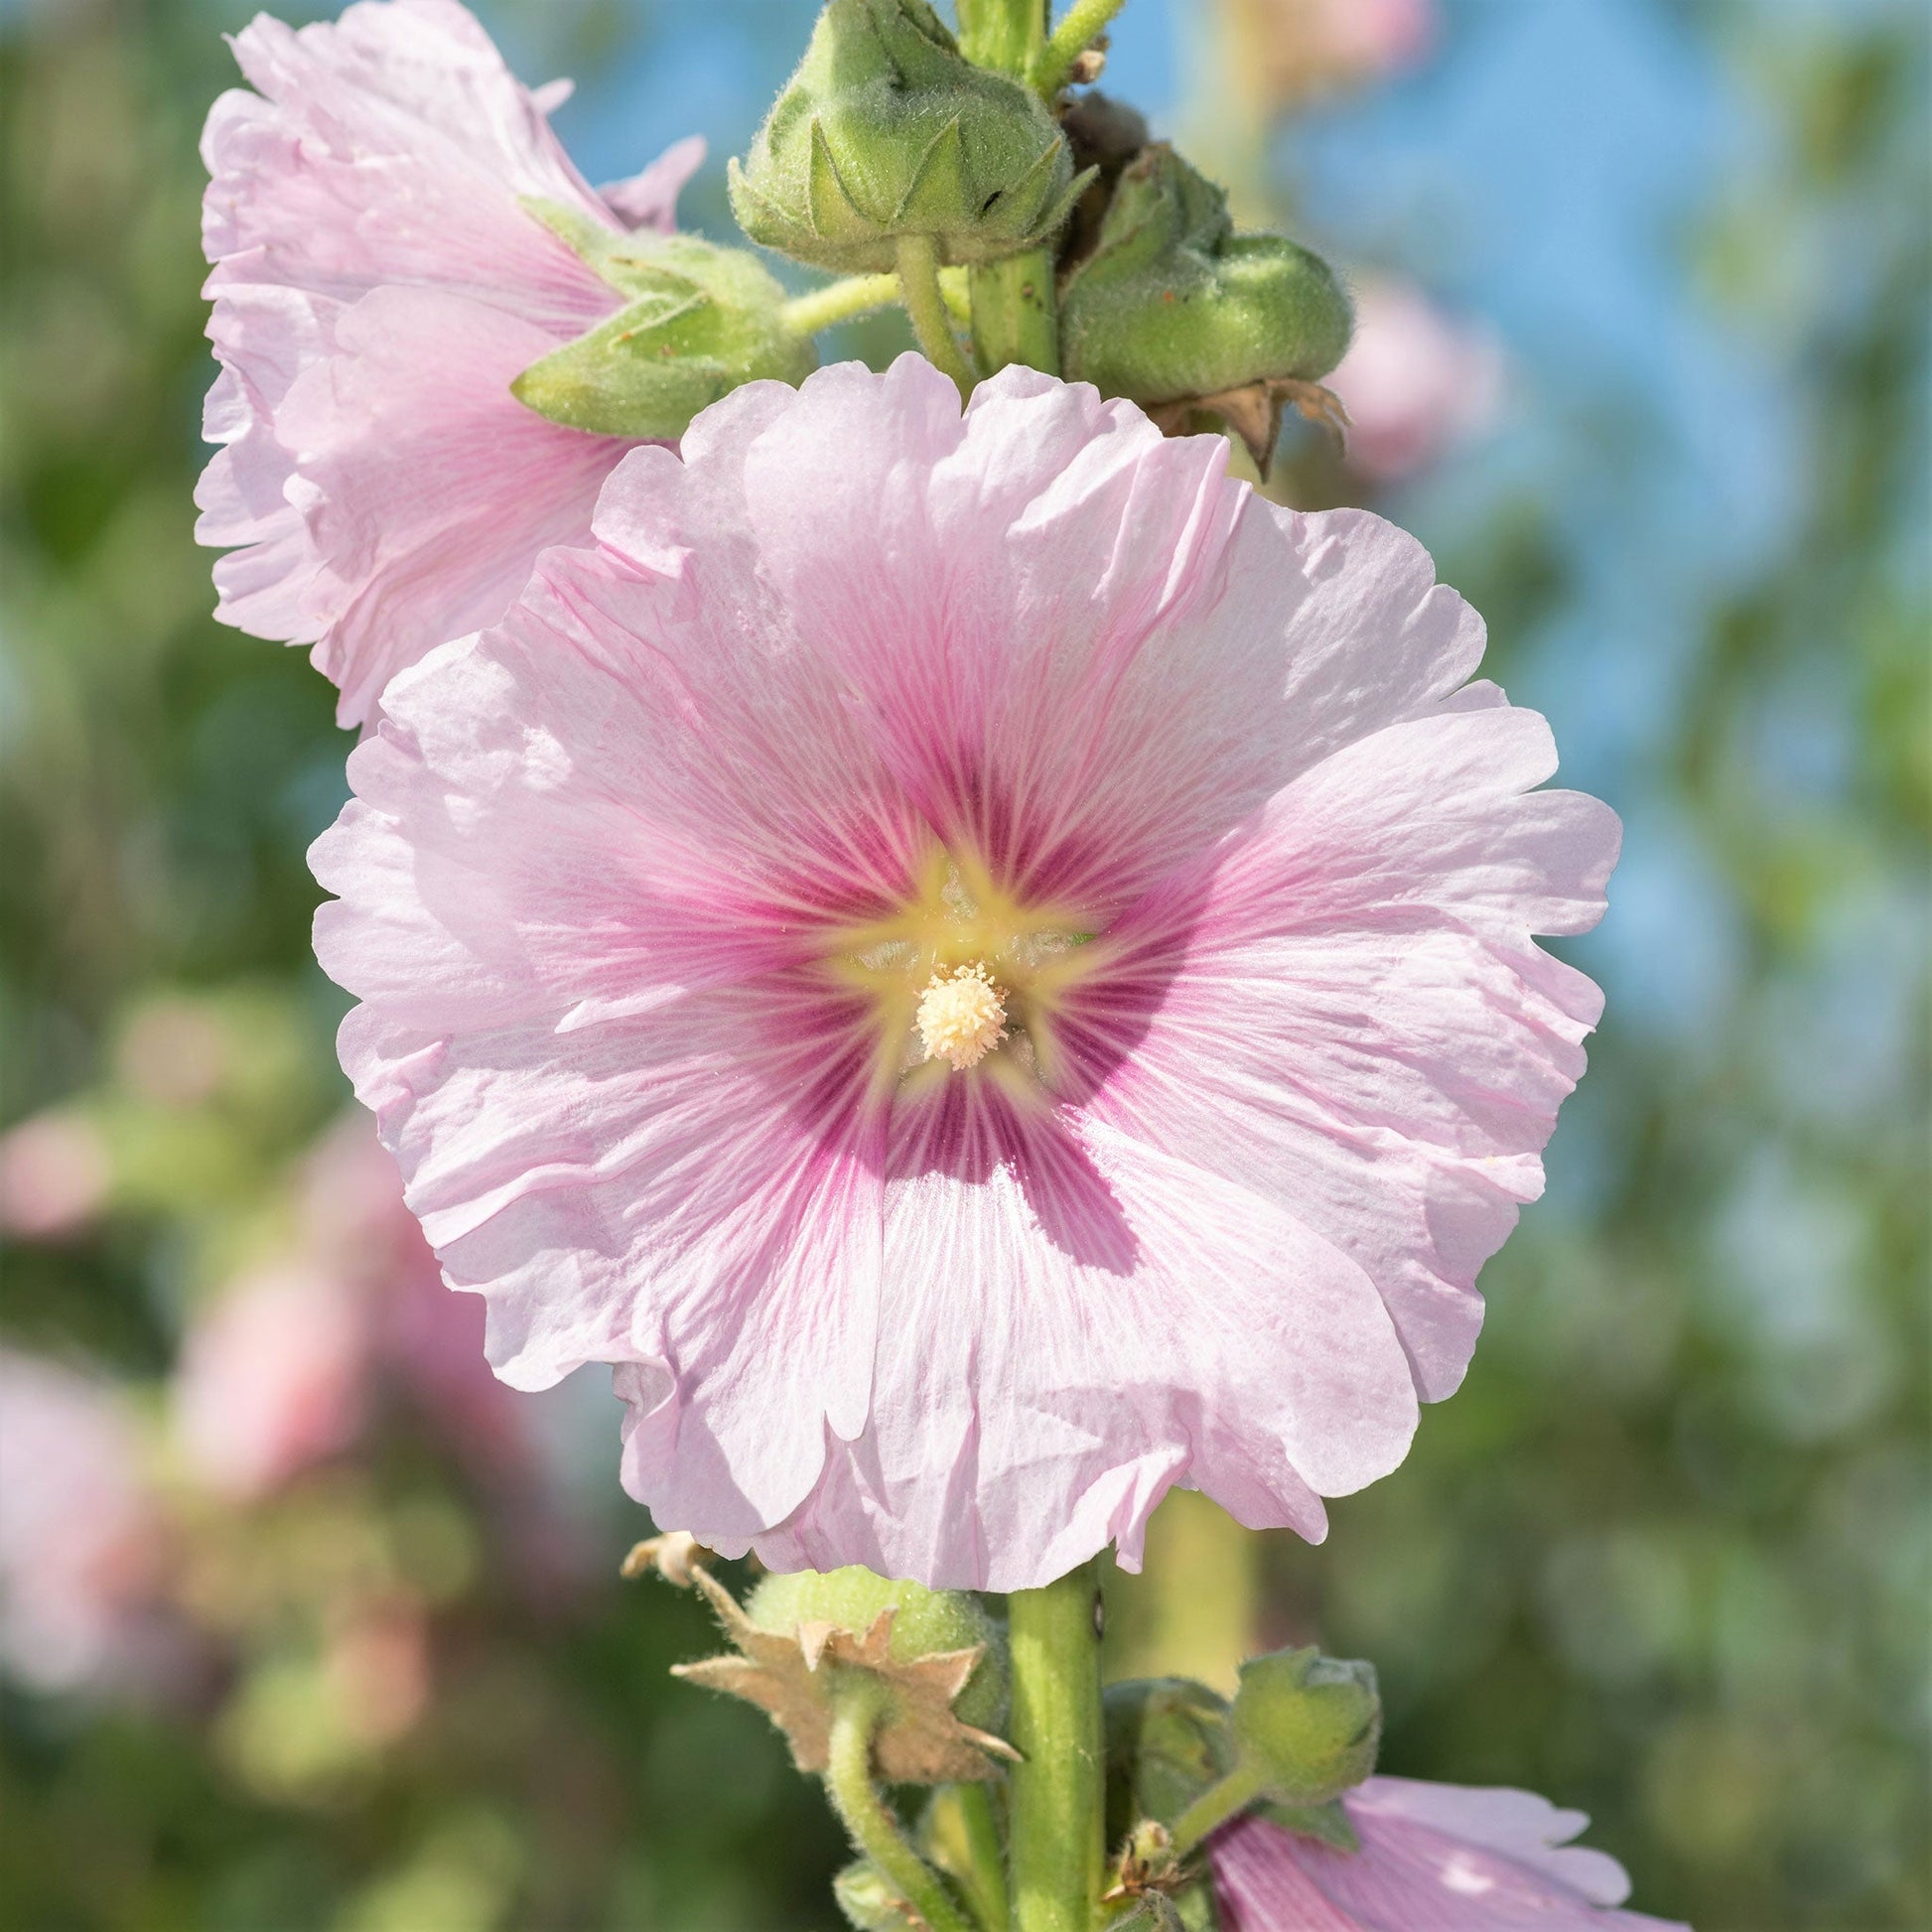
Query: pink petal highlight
x=1433 y=1857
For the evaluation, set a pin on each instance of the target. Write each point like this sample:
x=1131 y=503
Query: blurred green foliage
x=1665 y=1557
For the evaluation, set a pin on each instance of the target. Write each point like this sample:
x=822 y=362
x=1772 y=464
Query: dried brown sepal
x=1089 y=65
x=1254 y=413
x=678 y=1557
x=1147 y=1865
x=790 y=1678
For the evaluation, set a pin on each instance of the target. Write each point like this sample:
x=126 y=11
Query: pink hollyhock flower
x=81 y=1546
x=987 y=967
x=1433 y=1858
x=377 y=286
x=1414 y=381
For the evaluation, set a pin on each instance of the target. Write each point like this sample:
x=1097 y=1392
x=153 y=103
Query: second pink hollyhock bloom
x=1433 y=1857
x=377 y=286
x=987 y=967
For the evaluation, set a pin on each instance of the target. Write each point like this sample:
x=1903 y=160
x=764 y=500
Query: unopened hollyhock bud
x=938 y=1656
x=1168 y=1742
x=887 y=131
x=698 y=321
x=1306 y=1726
x=1174 y=308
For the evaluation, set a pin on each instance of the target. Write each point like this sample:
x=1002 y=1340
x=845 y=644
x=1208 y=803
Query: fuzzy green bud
x=698 y=321
x=1306 y=1726
x=887 y=131
x=1172 y=304
x=869 y=1902
x=1168 y=1742
x=925 y=1623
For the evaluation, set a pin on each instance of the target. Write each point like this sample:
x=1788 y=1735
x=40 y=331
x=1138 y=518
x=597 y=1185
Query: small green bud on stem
x=1173 y=309
x=1305 y=1729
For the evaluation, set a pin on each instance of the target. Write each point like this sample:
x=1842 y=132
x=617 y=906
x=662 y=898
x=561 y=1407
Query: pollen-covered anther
x=962 y=1017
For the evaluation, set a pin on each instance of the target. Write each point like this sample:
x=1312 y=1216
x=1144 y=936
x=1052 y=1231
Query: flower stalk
x=859 y=1705
x=841 y=300
x=925 y=303
x=1056 y=1845
x=1083 y=23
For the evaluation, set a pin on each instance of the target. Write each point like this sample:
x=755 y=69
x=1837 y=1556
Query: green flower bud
x=1306 y=1726
x=700 y=321
x=887 y=131
x=1172 y=306
x=925 y=1623
x=1168 y=1742
x=870 y=1904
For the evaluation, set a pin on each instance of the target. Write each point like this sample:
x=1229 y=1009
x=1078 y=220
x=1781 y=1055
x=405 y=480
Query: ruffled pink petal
x=1363 y=1025
x=1432 y=1858
x=427 y=487
x=392 y=146
x=1074 y=1317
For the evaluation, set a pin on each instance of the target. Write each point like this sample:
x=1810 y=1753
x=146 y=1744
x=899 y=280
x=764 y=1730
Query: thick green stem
x=1058 y=1834
x=926 y=302
x=1213 y=1808
x=1016 y=317
x=857 y=295
x=856 y=1710
x=1082 y=24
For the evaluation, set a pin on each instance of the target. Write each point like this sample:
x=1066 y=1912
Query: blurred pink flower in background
x=55 y=1176
x=1415 y=381
x=429 y=1338
x=82 y=1547
x=272 y=1377
x=1433 y=1858
x=175 y=1052
x=986 y=966
x=287 y=1367
x=378 y=285
x=1292 y=50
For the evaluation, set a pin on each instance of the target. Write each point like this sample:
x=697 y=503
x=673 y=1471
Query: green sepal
x=1194 y=1908
x=701 y=321
x=886 y=130
x=1172 y=304
x=1327 y=1823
